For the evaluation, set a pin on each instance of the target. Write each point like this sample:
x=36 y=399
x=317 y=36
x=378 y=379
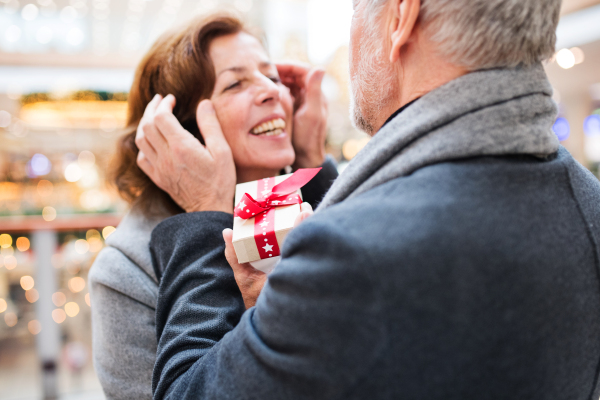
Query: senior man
x=455 y=258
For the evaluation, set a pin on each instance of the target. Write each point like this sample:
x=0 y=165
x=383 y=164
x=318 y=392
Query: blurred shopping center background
x=65 y=69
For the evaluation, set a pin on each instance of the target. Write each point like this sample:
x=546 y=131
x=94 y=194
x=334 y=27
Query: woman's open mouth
x=274 y=127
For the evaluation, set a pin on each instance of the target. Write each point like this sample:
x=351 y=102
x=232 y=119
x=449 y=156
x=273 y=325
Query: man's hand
x=311 y=111
x=250 y=280
x=197 y=177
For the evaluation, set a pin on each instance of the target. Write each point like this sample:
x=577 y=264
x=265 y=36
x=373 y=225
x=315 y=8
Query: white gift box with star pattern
x=244 y=242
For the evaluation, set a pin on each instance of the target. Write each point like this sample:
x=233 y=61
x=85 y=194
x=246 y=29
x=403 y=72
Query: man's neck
x=417 y=81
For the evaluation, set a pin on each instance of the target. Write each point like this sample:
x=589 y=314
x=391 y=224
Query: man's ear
x=404 y=21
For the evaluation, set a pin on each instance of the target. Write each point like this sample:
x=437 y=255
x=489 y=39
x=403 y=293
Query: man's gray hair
x=480 y=34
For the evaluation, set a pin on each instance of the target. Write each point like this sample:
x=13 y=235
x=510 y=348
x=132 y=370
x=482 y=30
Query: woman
x=220 y=60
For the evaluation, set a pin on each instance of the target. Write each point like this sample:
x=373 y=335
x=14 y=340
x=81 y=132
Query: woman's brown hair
x=178 y=64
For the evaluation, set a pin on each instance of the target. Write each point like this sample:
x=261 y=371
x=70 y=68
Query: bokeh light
x=32 y=295
x=352 y=146
x=5 y=119
x=23 y=244
x=76 y=284
x=578 y=54
x=92 y=233
x=562 y=129
x=10 y=262
x=87 y=300
x=7 y=251
x=45 y=188
x=82 y=246
x=4 y=305
x=49 y=214
x=59 y=299
x=565 y=59
x=95 y=244
x=29 y=12
x=591 y=125
x=59 y=316
x=40 y=165
x=5 y=240
x=72 y=309
x=107 y=231
x=34 y=327
x=27 y=282
x=10 y=319
x=73 y=172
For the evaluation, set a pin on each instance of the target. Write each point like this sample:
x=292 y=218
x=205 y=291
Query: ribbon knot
x=279 y=195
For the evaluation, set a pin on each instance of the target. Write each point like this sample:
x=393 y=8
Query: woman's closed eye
x=233 y=85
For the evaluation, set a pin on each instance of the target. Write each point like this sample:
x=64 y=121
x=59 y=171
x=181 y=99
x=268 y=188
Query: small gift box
x=265 y=213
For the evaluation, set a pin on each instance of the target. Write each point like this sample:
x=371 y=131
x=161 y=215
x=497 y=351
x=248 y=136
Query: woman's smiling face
x=254 y=108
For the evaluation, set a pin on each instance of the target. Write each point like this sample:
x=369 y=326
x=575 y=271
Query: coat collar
x=484 y=113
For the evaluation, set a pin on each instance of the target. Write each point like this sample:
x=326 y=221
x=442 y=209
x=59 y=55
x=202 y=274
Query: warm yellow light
x=71 y=114
x=87 y=300
x=45 y=188
x=23 y=244
x=352 y=146
x=72 y=309
x=59 y=299
x=59 y=316
x=82 y=246
x=10 y=319
x=34 y=327
x=92 y=233
x=76 y=284
x=49 y=214
x=109 y=230
x=10 y=262
x=4 y=306
x=27 y=282
x=5 y=240
x=95 y=244
x=32 y=295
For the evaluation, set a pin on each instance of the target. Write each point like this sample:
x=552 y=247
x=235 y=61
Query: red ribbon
x=276 y=196
x=262 y=209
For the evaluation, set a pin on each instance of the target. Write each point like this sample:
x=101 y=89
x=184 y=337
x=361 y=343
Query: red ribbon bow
x=278 y=196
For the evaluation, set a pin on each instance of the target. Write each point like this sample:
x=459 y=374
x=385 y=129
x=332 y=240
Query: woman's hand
x=311 y=111
x=250 y=280
x=197 y=177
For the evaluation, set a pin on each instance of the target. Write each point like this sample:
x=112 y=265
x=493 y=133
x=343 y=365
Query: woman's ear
x=404 y=21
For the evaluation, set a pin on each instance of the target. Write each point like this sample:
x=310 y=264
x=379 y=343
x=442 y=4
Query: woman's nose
x=268 y=91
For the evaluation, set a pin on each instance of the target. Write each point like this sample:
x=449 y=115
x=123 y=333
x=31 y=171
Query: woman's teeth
x=270 y=128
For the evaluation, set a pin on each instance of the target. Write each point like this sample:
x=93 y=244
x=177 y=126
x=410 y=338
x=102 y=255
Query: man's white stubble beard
x=374 y=83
